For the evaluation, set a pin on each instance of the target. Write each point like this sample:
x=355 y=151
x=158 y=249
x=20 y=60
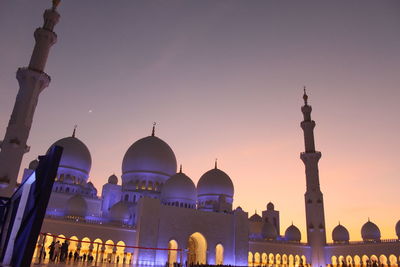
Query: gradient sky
x=223 y=79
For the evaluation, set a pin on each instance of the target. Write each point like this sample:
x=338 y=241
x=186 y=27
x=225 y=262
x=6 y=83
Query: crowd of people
x=59 y=253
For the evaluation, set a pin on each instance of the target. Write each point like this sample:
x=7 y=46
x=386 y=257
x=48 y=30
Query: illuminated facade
x=154 y=206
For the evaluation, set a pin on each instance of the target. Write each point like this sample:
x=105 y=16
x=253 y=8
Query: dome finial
x=154 y=129
x=74 y=132
x=55 y=4
x=180 y=168
x=305 y=96
x=216 y=164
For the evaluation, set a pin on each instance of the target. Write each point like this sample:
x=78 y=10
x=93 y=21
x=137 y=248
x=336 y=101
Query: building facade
x=154 y=214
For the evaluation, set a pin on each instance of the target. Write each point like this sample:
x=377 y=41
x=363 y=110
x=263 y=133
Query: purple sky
x=224 y=79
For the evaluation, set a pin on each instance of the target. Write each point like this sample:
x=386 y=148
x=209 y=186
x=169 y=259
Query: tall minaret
x=32 y=80
x=316 y=236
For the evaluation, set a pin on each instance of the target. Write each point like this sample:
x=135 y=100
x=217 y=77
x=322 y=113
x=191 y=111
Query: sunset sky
x=223 y=79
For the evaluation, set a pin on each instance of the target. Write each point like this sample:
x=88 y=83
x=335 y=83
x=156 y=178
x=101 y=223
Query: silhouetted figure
x=51 y=252
x=84 y=257
x=70 y=256
x=76 y=255
x=57 y=250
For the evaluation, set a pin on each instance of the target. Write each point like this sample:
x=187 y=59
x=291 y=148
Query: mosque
x=154 y=214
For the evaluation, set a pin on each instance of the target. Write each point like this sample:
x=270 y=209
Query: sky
x=223 y=79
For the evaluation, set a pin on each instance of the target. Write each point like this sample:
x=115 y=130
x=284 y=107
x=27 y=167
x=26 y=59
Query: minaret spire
x=216 y=164
x=154 y=129
x=180 y=168
x=32 y=81
x=315 y=217
x=74 y=132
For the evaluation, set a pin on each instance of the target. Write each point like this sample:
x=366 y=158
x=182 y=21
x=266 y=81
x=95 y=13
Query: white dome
x=215 y=182
x=340 y=234
x=120 y=212
x=292 y=234
x=370 y=231
x=179 y=188
x=75 y=154
x=76 y=206
x=149 y=154
x=398 y=229
x=268 y=231
x=113 y=179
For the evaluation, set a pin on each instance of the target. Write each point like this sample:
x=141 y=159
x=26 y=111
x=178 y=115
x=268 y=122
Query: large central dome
x=75 y=154
x=149 y=154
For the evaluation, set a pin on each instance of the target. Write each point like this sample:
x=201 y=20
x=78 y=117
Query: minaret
x=32 y=80
x=316 y=236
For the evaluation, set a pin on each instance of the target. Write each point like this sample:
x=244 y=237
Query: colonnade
x=269 y=259
x=365 y=260
x=102 y=251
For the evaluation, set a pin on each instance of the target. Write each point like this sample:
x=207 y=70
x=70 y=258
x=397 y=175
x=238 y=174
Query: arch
x=257 y=259
x=357 y=260
x=364 y=259
x=250 y=259
x=172 y=254
x=341 y=260
x=374 y=258
x=303 y=260
x=284 y=259
x=291 y=260
x=150 y=186
x=334 y=261
x=296 y=260
x=219 y=254
x=73 y=244
x=143 y=185
x=120 y=251
x=264 y=258
x=108 y=252
x=349 y=260
x=271 y=258
x=393 y=260
x=85 y=247
x=197 y=249
x=278 y=260
x=97 y=247
x=383 y=259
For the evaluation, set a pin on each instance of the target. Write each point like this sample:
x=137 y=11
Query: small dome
x=34 y=164
x=113 y=179
x=270 y=206
x=292 y=234
x=398 y=229
x=340 y=234
x=215 y=182
x=179 y=188
x=75 y=154
x=255 y=218
x=120 y=212
x=149 y=154
x=370 y=231
x=268 y=231
x=90 y=185
x=76 y=206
